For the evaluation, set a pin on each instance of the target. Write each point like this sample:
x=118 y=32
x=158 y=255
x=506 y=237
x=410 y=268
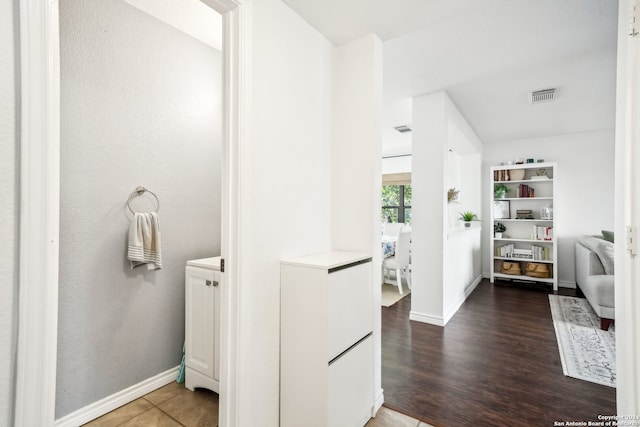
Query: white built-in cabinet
x=202 y=324
x=326 y=347
x=528 y=212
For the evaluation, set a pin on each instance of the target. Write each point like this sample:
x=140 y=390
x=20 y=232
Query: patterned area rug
x=587 y=352
x=390 y=294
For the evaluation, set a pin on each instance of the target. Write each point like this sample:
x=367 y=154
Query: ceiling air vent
x=545 y=95
x=403 y=128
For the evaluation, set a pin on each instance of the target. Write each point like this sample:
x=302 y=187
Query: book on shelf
x=501 y=175
x=523 y=190
x=541 y=232
x=536 y=252
x=504 y=251
x=524 y=214
x=540 y=253
x=523 y=253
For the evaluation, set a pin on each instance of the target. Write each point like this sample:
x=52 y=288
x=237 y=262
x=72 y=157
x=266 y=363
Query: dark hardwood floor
x=496 y=363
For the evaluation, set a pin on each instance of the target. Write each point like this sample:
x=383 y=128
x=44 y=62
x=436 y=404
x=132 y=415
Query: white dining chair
x=392 y=228
x=399 y=262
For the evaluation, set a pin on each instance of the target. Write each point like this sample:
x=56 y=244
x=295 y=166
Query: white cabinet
x=528 y=211
x=202 y=323
x=326 y=346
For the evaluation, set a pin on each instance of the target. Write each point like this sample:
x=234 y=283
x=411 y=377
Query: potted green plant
x=467 y=217
x=500 y=191
x=498 y=229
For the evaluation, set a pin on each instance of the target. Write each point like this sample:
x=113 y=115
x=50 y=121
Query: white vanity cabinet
x=326 y=346
x=202 y=323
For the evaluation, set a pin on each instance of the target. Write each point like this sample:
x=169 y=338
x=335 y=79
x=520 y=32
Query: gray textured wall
x=8 y=207
x=140 y=105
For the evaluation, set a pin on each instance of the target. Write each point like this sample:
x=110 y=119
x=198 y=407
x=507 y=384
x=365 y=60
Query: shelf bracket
x=634 y=18
x=631 y=239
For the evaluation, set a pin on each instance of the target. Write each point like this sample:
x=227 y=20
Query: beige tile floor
x=175 y=406
x=169 y=406
x=389 y=418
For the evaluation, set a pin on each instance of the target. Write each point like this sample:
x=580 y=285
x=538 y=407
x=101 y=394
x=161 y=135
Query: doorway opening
x=40 y=171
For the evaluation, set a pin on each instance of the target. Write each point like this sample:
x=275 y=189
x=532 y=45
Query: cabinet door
x=350 y=307
x=217 y=279
x=199 y=320
x=350 y=387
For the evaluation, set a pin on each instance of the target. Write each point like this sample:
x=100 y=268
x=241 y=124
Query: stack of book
x=505 y=251
x=540 y=252
x=524 y=190
x=501 y=175
x=540 y=232
x=524 y=214
x=523 y=253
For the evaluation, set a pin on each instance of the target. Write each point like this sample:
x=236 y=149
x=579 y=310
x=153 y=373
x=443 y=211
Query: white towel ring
x=138 y=192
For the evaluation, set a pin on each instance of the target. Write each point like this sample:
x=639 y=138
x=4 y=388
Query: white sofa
x=595 y=276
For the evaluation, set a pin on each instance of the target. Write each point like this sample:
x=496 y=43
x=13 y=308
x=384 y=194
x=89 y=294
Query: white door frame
x=236 y=53
x=40 y=205
x=627 y=212
x=39 y=213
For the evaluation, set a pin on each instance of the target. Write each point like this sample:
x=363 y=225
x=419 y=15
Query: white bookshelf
x=524 y=234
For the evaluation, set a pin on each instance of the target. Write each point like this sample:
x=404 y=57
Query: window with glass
x=396 y=203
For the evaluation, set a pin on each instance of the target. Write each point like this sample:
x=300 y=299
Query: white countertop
x=326 y=260
x=212 y=263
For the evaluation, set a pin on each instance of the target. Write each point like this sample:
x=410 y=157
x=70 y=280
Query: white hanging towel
x=144 y=241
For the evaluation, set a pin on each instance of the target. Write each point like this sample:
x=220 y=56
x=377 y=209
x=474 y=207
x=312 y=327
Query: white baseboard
x=378 y=403
x=426 y=318
x=457 y=306
x=116 y=400
x=441 y=321
x=566 y=284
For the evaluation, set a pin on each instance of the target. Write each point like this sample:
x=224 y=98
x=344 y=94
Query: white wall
x=314 y=109
x=8 y=208
x=462 y=268
x=585 y=185
x=428 y=229
x=285 y=207
x=454 y=181
x=140 y=105
x=471 y=185
x=355 y=161
x=442 y=279
x=400 y=164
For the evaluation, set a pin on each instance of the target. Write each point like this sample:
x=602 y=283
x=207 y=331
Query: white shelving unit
x=521 y=233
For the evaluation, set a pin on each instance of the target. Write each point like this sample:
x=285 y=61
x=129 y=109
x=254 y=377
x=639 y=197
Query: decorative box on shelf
x=516 y=174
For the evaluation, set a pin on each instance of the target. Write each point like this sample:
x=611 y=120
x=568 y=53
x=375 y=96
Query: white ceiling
x=488 y=55
x=345 y=20
x=192 y=17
